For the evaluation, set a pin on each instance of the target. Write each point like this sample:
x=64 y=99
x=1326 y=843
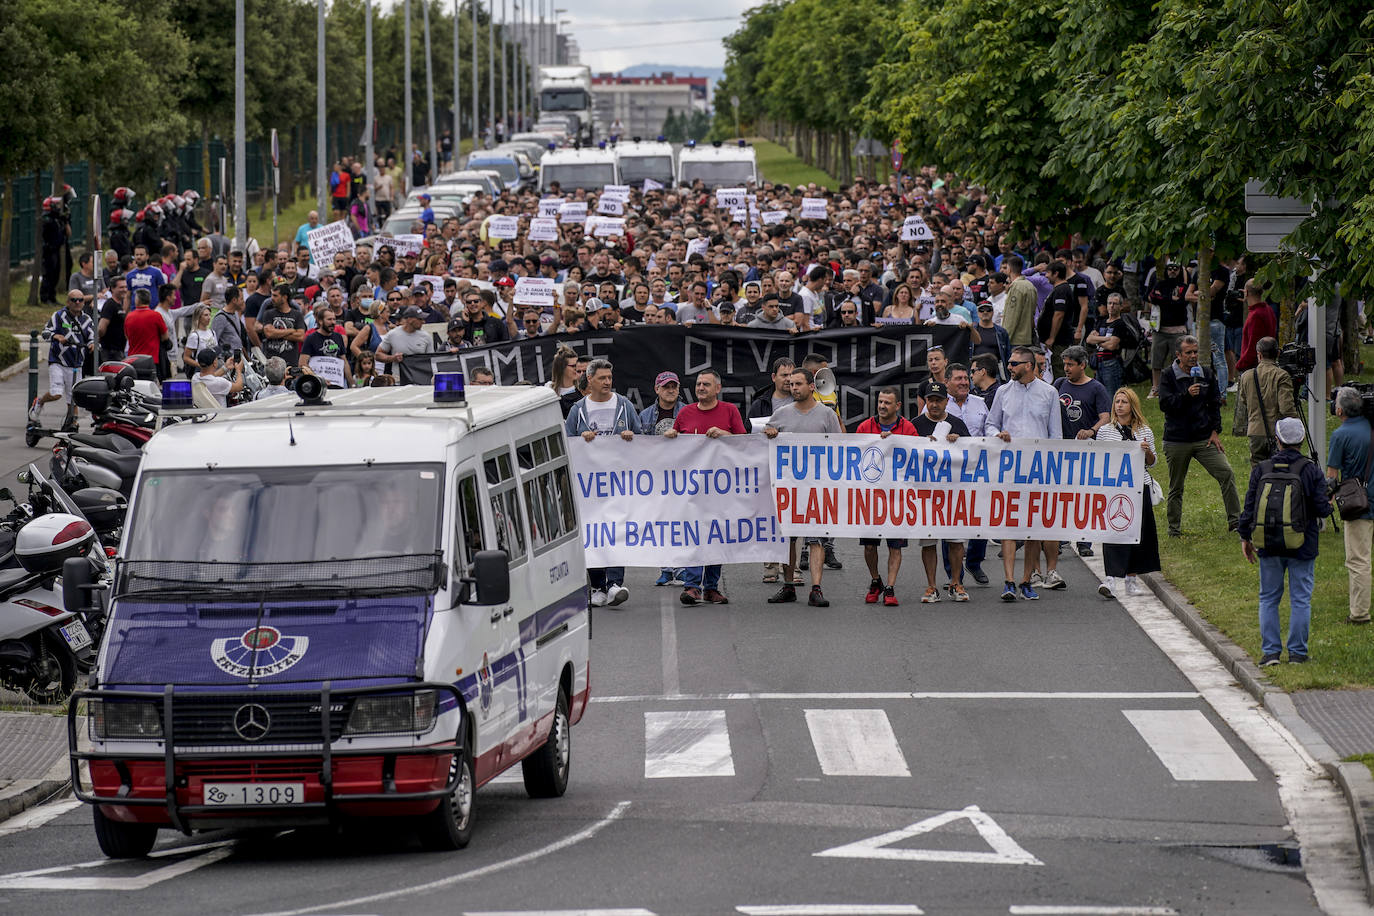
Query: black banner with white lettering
x=863 y=360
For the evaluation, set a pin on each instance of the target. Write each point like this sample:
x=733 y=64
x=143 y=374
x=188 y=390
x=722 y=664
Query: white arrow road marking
x=1189 y=745
x=689 y=742
x=51 y=879
x=1005 y=850
x=855 y=742
x=37 y=817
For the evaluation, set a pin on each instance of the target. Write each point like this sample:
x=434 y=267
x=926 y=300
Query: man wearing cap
x=426 y=211
x=211 y=375
x=407 y=339
x=655 y=420
x=938 y=424
x=1276 y=561
x=457 y=335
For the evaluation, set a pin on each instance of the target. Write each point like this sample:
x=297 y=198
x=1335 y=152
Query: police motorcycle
x=42 y=646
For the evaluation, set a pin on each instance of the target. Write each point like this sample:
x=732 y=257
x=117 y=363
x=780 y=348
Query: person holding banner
x=714 y=418
x=1128 y=561
x=323 y=352
x=603 y=412
x=1027 y=407
x=939 y=425
x=655 y=420
x=887 y=422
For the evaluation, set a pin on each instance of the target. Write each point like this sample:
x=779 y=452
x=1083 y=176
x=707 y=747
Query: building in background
x=642 y=103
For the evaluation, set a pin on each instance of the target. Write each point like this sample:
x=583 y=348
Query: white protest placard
x=697 y=246
x=328 y=240
x=543 y=230
x=730 y=198
x=573 y=212
x=503 y=227
x=608 y=226
x=651 y=185
x=403 y=245
x=773 y=217
x=436 y=285
x=738 y=216
x=621 y=191
x=910 y=486
x=610 y=206
x=914 y=229
x=813 y=208
x=696 y=499
x=329 y=368
x=534 y=291
x=548 y=207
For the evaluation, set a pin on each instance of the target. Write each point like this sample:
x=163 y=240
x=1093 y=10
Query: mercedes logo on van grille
x=252 y=722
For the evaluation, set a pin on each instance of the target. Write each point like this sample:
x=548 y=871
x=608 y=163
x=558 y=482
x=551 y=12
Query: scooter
x=76 y=467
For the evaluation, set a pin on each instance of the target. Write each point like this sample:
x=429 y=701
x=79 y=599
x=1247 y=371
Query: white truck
x=717 y=166
x=566 y=92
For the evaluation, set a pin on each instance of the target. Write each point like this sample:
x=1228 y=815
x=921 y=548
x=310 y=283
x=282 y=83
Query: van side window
x=548 y=490
x=468 y=536
x=505 y=505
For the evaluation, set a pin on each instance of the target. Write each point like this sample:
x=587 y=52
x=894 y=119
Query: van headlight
x=125 y=719
x=377 y=715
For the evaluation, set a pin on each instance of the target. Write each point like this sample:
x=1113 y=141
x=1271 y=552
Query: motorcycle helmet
x=68 y=194
x=123 y=196
x=178 y=202
x=191 y=195
x=121 y=217
x=142 y=215
x=48 y=541
x=49 y=204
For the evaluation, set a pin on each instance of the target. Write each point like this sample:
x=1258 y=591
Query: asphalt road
x=754 y=758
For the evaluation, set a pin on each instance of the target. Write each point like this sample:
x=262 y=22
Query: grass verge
x=1366 y=759
x=779 y=166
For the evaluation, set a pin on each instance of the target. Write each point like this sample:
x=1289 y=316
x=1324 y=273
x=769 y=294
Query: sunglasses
x=1018 y=362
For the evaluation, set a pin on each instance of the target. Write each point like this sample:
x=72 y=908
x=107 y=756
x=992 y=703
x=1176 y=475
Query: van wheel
x=546 y=770
x=449 y=826
x=119 y=840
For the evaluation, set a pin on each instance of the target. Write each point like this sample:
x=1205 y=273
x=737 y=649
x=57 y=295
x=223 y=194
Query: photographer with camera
x=1348 y=458
x=212 y=375
x=1191 y=402
x=57 y=228
x=1265 y=396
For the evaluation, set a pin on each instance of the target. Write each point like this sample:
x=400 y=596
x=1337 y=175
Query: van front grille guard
x=326 y=753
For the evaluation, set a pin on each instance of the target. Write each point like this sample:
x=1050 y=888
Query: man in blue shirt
x=1348 y=456
x=144 y=276
x=312 y=222
x=1274 y=561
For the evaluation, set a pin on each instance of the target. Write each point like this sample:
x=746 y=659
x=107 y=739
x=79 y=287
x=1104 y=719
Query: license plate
x=264 y=794
x=76 y=636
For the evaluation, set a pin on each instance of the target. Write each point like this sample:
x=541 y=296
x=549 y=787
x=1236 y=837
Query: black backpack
x=1281 y=506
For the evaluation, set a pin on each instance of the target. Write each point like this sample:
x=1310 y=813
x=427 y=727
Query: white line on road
x=1029 y=910
x=49 y=879
x=37 y=817
x=833 y=909
x=634 y=911
x=855 y=742
x=672 y=685
x=909 y=695
x=1186 y=743
x=572 y=839
x=684 y=743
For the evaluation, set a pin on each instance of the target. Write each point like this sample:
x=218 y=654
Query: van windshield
x=578 y=174
x=718 y=173
x=571 y=99
x=634 y=169
x=286 y=515
x=510 y=172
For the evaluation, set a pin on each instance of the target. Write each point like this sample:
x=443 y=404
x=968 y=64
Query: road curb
x=1355 y=779
x=28 y=793
x=14 y=369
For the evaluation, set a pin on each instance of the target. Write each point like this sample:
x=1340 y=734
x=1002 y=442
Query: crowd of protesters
x=1058 y=328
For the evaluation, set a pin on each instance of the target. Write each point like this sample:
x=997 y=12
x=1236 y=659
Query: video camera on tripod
x=1297 y=359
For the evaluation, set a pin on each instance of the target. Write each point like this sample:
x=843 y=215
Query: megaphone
x=825 y=383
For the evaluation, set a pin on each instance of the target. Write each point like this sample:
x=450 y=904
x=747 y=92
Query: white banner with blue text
x=916 y=487
x=686 y=501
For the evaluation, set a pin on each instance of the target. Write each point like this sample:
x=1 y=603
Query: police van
x=718 y=165
x=368 y=605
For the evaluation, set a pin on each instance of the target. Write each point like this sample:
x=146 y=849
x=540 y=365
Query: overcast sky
x=673 y=42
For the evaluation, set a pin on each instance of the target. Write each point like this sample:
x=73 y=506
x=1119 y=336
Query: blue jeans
x=1218 y=328
x=604 y=577
x=1233 y=339
x=1110 y=373
x=702 y=577
x=1300 y=576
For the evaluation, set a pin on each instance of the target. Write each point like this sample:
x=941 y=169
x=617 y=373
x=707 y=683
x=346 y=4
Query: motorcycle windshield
x=236 y=643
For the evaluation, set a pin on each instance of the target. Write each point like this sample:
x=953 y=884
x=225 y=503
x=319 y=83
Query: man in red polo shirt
x=887 y=422
x=145 y=329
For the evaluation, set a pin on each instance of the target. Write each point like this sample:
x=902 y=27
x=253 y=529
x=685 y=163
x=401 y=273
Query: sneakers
x=932 y=595
x=36 y=412
x=958 y=593
x=804 y=558
x=1297 y=658
x=977 y=573
x=1055 y=581
x=1028 y=592
x=617 y=594
x=832 y=561
x=1085 y=550
x=1135 y=587
x=690 y=596
x=676 y=581
x=1009 y=590
x=1108 y=588
x=817 y=598
x=785 y=595
x=713 y=596
x=1037 y=579
x=598 y=597
x=875 y=591
x=889 y=597
x=664 y=577
x=1270 y=661
x=1154 y=394
x=1233 y=388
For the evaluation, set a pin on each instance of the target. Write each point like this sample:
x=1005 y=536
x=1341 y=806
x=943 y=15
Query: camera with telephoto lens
x=1366 y=391
x=1297 y=359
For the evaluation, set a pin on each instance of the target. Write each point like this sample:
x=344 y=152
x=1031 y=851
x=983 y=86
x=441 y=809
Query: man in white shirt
x=973 y=410
x=812 y=314
x=1026 y=408
x=212 y=377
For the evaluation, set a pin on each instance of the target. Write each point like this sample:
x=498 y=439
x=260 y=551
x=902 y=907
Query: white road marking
x=910 y=695
x=672 y=685
x=50 y=879
x=37 y=817
x=1315 y=807
x=634 y=911
x=855 y=742
x=1186 y=743
x=685 y=743
x=1005 y=850
x=572 y=839
x=833 y=909
x=1035 y=910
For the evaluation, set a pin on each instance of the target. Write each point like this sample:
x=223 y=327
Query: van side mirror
x=491 y=570
x=77 y=579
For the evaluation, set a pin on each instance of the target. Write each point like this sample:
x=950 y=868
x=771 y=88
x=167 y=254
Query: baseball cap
x=505 y=281
x=411 y=311
x=664 y=378
x=457 y=323
x=985 y=307
x=727 y=307
x=206 y=357
x=1289 y=430
x=423 y=197
x=592 y=304
x=936 y=390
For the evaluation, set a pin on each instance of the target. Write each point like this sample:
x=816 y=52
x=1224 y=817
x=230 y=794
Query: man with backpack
x=1286 y=496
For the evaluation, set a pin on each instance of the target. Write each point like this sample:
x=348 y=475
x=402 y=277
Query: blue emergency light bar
x=176 y=395
x=741 y=144
x=662 y=139
x=448 y=388
x=602 y=144
x=691 y=144
x=553 y=145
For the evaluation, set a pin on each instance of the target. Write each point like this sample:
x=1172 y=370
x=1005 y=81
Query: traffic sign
x=1265 y=234
x=896 y=157
x=1259 y=203
x=276 y=149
